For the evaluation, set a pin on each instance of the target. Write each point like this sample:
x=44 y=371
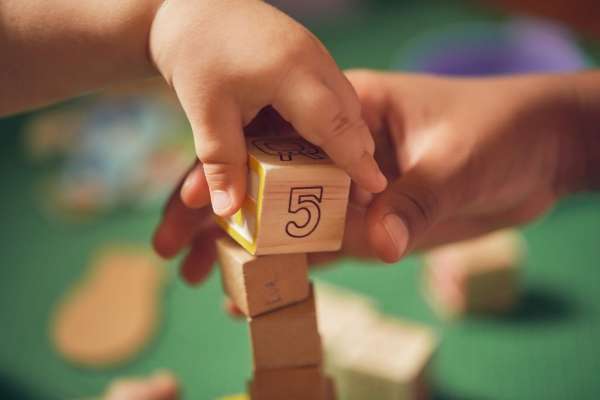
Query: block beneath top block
x=258 y=284
x=307 y=383
x=296 y=199
x=287 y=337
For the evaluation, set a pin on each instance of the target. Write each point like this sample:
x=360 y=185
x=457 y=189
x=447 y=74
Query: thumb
x=221 y=149
x=399 y=217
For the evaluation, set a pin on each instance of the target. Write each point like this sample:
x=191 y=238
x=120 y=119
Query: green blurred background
x=548 y=348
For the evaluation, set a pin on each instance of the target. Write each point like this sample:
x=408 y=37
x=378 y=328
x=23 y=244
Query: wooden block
x=306 y=383
x=296 y=199
x=387 y=363
x=258 y=284
x=342 y=315
x=477 y=275
x=287 y=337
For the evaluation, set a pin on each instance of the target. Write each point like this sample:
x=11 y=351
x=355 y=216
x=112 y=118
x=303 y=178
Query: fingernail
x=398 y=233
x=221 y=201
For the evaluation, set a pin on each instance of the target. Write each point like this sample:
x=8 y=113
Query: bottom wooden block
x=306 y=383
x=329 y=391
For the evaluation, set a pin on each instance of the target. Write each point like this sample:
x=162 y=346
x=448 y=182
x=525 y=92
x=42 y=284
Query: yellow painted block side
x=242 y=396
x=239 y=218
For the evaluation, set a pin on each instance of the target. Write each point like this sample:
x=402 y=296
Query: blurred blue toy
x=522 y=45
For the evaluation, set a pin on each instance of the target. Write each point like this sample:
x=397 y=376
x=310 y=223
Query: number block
x=258 y=284
x=296 y=199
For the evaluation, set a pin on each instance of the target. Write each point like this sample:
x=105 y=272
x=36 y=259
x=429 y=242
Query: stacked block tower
x=296 y=204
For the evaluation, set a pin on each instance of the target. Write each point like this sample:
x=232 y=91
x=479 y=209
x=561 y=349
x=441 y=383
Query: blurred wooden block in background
x=478 y=275
x=287 y=337
x=388 y=362
x=306 y=383
x=258 y=284
x=296 y=199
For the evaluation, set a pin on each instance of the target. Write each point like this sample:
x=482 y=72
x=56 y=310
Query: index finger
x=332 y=123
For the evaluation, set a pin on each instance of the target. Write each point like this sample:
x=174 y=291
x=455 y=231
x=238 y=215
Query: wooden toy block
x=342 y=315
x=389 y=362
x=296 y=199
x=258 y=284
x=306 y=383
x=477 y=275
x=287 y=337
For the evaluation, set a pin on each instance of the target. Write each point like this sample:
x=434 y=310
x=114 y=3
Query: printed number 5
x=305 y=199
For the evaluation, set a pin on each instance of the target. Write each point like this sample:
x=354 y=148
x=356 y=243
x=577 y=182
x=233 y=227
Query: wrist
x=134 y=28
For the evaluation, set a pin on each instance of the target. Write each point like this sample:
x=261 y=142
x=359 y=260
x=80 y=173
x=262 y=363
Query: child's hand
x=227 y=60
x=464 y=156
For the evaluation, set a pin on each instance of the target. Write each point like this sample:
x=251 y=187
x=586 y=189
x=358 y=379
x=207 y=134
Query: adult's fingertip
x=163 y=244
x=199 y=262
x=397 y=232
x=231 y=309
x=389 y=238
x=195 y=271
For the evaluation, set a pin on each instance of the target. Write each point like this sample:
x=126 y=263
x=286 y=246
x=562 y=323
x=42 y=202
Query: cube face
x=287 y=337
x=296 y=199
x=261 y=284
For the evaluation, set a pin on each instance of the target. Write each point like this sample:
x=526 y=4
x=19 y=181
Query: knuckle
x=212 y=170
x=418 y=204
x=299 y=50
x=218 y=152
x=340 y=125
x=222 y=175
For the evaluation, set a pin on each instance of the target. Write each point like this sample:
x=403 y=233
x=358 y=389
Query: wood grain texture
x=259 y=284
x=287 y=337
